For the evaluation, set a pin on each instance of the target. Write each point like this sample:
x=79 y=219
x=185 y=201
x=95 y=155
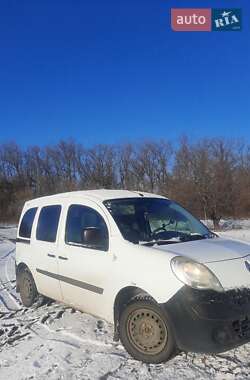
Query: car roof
x=95 y=195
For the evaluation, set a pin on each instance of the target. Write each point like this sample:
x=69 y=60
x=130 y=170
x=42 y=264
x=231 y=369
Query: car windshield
x=151 y=221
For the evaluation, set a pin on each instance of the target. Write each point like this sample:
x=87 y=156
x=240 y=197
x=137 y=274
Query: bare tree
x=11 y=157
x=242 y=181
x=207 y=169
x=150 y=166
x=125 y=158
x=183 y=187
x=97 y=167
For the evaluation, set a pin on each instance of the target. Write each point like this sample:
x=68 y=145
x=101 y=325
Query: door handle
x=51 y=255
x=62 y=258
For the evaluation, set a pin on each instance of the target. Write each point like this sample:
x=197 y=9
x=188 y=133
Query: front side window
x=155 y=220
x=86 y=227
x=48 y=223
x=27 y=223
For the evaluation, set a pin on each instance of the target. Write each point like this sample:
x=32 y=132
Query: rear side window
x=27 y=223
x=48 y=223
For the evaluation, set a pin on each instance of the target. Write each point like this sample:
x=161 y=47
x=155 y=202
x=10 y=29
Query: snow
x=243 y=235
x=55 y=342
x=230 y=224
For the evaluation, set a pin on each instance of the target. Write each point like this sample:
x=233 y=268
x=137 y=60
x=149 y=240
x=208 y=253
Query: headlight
x=194 y=274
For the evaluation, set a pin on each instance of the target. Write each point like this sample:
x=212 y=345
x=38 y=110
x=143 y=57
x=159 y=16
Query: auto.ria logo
x=226 y=19
x=205 y=19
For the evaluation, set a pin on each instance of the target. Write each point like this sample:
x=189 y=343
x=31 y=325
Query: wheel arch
x=20 y=267
x=121 y=300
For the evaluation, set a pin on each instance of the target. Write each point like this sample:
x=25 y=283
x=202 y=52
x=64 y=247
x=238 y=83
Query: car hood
x=228 y=259
x=208 y=250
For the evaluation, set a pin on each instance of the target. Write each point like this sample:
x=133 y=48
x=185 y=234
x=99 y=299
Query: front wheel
x=145 y=331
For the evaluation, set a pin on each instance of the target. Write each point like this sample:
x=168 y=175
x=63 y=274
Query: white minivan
x=140 y=261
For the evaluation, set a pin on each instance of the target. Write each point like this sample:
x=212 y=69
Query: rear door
x=45 y=251
x=85 y=271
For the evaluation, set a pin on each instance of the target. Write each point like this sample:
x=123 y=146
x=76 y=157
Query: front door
x=85 y=270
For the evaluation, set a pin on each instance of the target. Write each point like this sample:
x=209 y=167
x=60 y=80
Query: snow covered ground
x=54 y=341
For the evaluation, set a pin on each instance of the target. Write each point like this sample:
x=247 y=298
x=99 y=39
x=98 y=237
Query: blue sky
x=112 y=71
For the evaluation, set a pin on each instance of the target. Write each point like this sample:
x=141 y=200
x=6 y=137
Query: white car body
x=91 y=280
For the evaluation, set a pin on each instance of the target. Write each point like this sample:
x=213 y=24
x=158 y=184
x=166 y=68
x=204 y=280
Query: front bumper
x=206 y=321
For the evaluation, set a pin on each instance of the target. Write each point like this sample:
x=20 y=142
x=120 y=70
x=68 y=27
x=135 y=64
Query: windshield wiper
x=178 y=239
x=196 y=236
x=160 y=241
x=182 y=238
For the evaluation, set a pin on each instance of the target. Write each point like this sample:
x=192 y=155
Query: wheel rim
x=147 y=331
x=27 y=288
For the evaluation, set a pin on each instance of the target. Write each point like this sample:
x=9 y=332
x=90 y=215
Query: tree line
x=210 y=177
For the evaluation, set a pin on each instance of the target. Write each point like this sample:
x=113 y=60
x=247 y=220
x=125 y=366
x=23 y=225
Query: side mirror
x=93 y=237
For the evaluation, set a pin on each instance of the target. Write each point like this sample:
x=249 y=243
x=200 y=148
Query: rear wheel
x=27 y=288
x=145 y=331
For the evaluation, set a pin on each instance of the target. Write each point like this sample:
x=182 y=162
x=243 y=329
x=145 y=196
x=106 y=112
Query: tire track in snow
x=8 y=253
x=8 y=301
x=10 y=262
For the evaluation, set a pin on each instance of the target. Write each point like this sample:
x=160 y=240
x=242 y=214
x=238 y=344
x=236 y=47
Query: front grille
x=242 y=328
x=239 y=297
x=235 y=297
x=229 y=305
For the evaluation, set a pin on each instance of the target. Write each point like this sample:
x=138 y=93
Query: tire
x=145 y=331
x=27 y=288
